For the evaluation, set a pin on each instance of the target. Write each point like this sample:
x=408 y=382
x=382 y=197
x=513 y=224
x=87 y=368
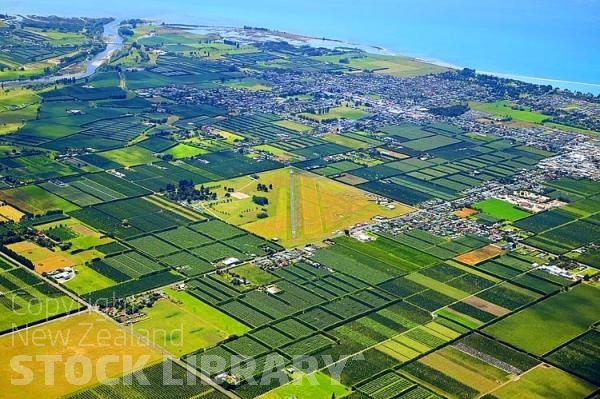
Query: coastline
x=219 y=22
x=584 y=87
x=475 y=36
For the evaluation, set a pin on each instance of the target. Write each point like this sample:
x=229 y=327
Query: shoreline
x=560 y=83
x=563 y=84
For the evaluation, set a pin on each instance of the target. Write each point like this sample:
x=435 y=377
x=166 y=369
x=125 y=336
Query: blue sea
x=545 y=41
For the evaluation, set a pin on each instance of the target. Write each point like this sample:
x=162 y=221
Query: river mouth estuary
x=456 y=32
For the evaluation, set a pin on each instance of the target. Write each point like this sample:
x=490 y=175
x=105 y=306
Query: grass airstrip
x=320 y=206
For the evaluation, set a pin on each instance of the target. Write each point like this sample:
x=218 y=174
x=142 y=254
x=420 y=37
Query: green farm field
x=281 y=154
x=580 y=356
x=130 y=156
x=385 y=64
x=87 y=280
x=184 y=151
x=548 y=324
x=313 y=386
x=299 y=127
x=28 y=300
x=253 y=274
x=545 y=382
x=475 y=373
x=342 y=112
x=83 y=236
x=186 y=324
x=16 y=106
x=503 y=109
x=35 y=200
x=500 y=209
x=346 y=141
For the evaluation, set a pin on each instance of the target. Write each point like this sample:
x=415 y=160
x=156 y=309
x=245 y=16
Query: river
x=546 y=41
x=113 y=43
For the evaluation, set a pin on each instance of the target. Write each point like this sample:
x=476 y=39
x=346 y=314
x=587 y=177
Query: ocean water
x=545 y=41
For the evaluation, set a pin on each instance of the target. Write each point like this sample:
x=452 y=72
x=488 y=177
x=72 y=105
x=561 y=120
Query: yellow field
x=89 y=335
x=282 y=155
x=229 y=137
x=464 y=213
x=46 y=260
x=299 y=127
x=10 y=213
x=479 y=255
x=398 y=351
x=486 y=306
x=321 y=206
x=469 y=370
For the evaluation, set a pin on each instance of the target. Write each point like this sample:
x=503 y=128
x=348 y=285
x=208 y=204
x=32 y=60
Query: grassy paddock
x=312 y=386
x=35 y=200
x=299 y=127
x=500 y=209
x=186 y=324
x=543 y=382
x=569 y=314
x=130 y=156
x=386 y=64
x=342 y=112
x=504 y=109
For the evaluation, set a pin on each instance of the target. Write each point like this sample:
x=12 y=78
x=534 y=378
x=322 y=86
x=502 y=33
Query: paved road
x=87 y=307
x=52 y=283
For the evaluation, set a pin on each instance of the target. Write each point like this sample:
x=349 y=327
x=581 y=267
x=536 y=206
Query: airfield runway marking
x=292 y=204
